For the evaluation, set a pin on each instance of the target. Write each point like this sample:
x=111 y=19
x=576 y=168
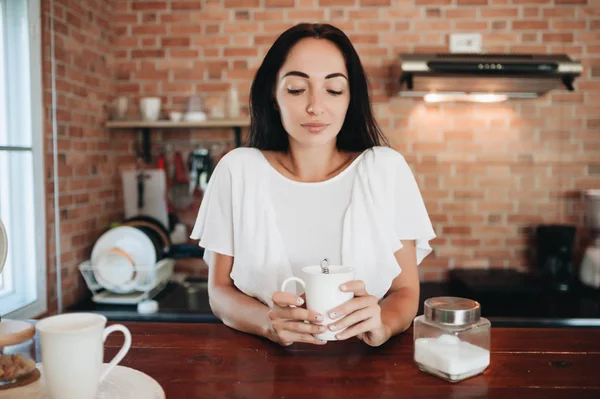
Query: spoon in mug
x=325 y=266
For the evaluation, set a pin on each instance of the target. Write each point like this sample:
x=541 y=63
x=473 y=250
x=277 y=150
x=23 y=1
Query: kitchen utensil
x=147 y=188
x=325 y=266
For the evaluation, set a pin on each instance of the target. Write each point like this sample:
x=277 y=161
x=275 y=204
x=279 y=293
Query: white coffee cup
x=323 y=292
x=73 y=351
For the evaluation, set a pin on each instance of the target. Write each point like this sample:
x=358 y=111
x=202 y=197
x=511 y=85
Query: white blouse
x=247 y=212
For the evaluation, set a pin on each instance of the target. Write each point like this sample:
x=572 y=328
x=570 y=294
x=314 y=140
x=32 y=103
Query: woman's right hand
x=288 y=321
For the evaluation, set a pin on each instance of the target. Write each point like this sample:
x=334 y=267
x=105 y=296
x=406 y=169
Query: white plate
x=120 y=383
x=115 y=270
x=131 y=240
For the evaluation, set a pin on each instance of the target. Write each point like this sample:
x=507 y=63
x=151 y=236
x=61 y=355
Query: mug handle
x=289 y=280
x=122 y=352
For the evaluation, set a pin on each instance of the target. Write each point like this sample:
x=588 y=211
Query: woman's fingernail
x=333 y=315
x=323 y=341
x=319 y=318
x=333 y=327
x=322 y=328
x=344 y=287
x=300 y=301
x=340 y=336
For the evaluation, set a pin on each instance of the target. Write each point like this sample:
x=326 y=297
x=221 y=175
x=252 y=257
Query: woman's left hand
x=361 y=315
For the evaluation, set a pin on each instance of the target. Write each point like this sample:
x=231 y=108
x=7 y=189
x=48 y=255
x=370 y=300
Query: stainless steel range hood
x=485 y=77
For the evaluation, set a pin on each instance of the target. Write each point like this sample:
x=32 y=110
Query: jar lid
x=452 y=310
x=13 y=332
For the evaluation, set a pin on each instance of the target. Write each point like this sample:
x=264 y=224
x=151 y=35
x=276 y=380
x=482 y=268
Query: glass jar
x=17 y=351
x=451 y=339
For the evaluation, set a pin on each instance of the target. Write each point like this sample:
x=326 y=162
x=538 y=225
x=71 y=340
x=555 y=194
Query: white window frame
x=38 y=305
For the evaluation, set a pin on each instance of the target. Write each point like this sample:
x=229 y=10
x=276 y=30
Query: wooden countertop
x=214 y=361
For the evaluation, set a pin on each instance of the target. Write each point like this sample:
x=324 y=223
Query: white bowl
x=195 y=117
x=175 y=116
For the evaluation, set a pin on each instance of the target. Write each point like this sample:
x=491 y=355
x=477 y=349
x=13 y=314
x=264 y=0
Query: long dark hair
x=359 y=131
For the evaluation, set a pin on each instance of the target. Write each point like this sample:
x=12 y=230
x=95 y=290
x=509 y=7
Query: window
x=22 y=202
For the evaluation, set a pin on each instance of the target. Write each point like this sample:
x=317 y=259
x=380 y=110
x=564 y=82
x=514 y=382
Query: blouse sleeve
x=411 y=219
x=214 y=224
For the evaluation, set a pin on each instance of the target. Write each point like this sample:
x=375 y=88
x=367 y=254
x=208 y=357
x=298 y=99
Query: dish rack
x=147 y=283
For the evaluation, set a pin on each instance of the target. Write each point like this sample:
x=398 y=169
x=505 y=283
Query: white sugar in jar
x=451 y=339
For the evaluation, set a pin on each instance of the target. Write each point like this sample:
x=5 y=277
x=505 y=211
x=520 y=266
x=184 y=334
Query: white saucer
x=121 y=383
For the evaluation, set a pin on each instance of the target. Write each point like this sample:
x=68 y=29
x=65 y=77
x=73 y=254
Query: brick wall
x=88 y=183
x=488 y=172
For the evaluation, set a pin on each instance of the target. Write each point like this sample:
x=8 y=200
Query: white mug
x=323 y=292
x=73 y=351
x=150 y=108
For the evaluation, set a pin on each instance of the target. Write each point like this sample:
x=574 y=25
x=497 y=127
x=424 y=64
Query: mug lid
x=452 y=310
x=13 y=332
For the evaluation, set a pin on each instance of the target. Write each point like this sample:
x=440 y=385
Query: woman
x=315 y=183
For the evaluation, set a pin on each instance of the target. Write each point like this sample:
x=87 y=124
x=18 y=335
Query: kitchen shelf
x=147 y=126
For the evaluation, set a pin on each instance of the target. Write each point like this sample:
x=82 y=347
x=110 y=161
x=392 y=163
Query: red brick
x=181 y=41
x=177 y=5
x=241 y=52
x=242 y=3
x=375 y=3
x=147 y=53
x=432 y=2
x=568 y=25
x=364 y=14
x=531 y=12
x=140 y=5
x=461 y=13
x=472 y=2
x=177 y=29
x=433 y=13
x=334 y=3
x=499 y=13
x=529 y=24
x=458 y=230
x=175 y=17
x=557 y=37
x=306 y=15
x=471 y=26
x=270 y=15
x=279 y=3
x=149 y=30
x=561 y=12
